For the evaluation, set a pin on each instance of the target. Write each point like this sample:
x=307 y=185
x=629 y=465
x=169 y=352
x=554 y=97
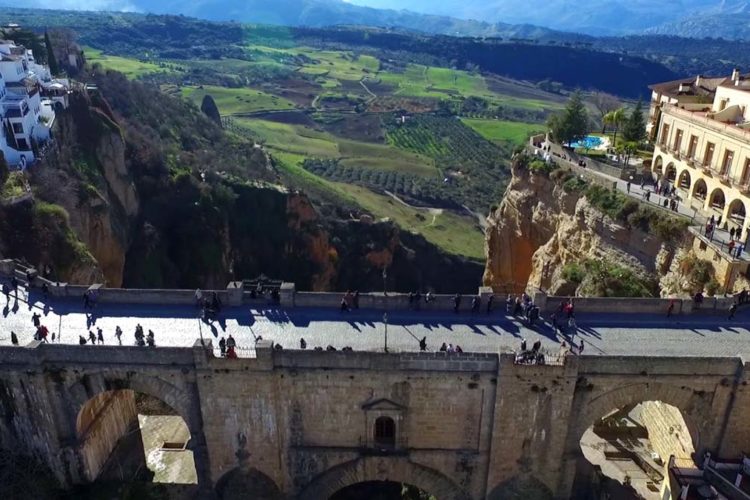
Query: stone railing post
x=286 y=294
x=234 y=293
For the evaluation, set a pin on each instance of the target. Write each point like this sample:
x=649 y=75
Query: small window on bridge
x=385 y=432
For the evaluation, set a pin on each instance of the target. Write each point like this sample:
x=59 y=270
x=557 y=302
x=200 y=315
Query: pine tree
x=573 y=123
x=208 y=106
x=635 y=126
x=51 y=60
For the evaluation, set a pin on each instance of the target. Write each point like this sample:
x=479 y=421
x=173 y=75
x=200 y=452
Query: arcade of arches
x=715 y=196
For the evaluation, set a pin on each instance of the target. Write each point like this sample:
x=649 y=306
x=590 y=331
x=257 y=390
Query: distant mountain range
x=506 y=18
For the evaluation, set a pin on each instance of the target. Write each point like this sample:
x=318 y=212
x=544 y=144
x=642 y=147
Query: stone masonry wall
x=667 y=430
x=101 y=423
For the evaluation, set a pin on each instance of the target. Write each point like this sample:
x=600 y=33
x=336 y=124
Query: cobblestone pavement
x=619 y=334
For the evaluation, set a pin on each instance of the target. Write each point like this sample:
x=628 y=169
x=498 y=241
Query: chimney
x=735 y=75
x=698 y=80
x=683 y=88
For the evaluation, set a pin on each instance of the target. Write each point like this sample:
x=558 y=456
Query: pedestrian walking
x=580 y=347
x=82 y=340
x=222 y=347
x=456 y=303
x=732 y=310
x=92 y=337
x=423 y=344
x=628 y=187
x=231 y=342
x=731 y=234
x=523 y=345
x=100 y=335
x=490 y=300
x=36 y=319
x=118 y=334
x=151 y=340
x=476 y=302
x=553 y=320
x=302 y=343
x=13 y=338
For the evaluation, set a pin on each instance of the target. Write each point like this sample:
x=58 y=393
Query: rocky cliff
x=545 y=233
x=156 y=195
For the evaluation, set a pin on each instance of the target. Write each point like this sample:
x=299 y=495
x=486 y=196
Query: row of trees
x=573 y=123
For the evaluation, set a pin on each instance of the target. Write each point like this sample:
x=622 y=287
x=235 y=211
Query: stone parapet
x=358 y=360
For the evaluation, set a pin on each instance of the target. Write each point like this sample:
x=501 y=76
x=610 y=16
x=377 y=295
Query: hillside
x=147 y=192
x=174 y=38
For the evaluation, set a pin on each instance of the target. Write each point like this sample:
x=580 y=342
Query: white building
x=28 y=98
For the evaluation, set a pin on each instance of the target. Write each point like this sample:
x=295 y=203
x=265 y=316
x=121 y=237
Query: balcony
x=693 y=162
x=745 y=187
x=725 y=179
x=706 y=167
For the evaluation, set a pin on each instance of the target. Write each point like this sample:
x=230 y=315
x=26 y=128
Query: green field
x=312 y=143
x=234 y=101
x=338 y=65
x=295 y=139
x=428 y=81
x=131 y=68
x=453 y=233
x=504 y=131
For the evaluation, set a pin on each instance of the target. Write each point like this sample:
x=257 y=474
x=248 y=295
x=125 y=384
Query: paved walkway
x=634 y=334
x=697 y=217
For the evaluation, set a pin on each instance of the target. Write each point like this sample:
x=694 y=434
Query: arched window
x=385 y=432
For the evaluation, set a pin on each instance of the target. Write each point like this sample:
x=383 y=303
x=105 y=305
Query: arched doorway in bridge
x=383 y=471
x=671 y=173
x=124 y=435
x=382 y=490
x=700 y=190
x=684 y=181
x=247 y=483
x=625 y=452
x=658 y=165
x=717 y=200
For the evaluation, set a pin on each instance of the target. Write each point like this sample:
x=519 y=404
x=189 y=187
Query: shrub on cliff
x=602 y=278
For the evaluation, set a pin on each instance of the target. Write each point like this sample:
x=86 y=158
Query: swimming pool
x=588 y=142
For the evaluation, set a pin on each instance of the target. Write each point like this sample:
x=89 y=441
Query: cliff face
x=154 y=195
x=97 y=192
x=540 y=228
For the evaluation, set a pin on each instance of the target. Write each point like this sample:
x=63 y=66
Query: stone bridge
x=292 y=424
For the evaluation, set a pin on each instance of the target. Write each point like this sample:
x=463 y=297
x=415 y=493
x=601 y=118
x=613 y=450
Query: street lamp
x=385 y=305
x=385 y=322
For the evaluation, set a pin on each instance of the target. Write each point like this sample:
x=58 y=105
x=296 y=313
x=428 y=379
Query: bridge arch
x=387 y=468
x=521 y=486
x=247 y=483
x=110 y=413
x=92 y=384
x=692 y=404
x=592 y=406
